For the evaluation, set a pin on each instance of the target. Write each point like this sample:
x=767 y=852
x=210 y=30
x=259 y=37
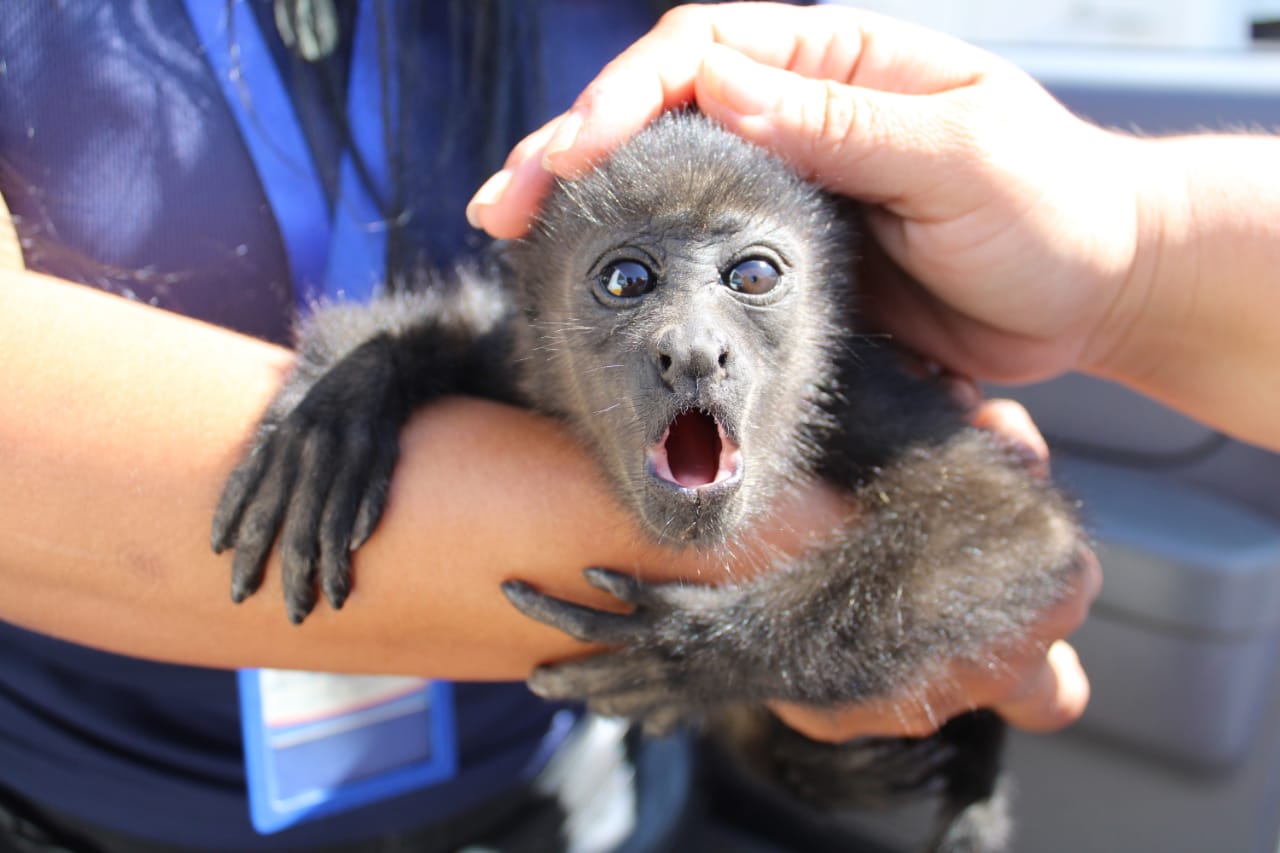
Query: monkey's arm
x=317 y=474
x=958 y=548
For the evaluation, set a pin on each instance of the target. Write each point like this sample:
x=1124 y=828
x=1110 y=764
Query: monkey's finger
x=300 y=536
x=240 y=487
x=261 y=522
x=375 y=485
x=660 y=720
x=334 y=565
x=580 y=622
x=621 y=586
x=338 y=525
x=551 y=683
x=606 y=684
x=354 y=506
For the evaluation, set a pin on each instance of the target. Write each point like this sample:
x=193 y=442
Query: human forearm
x=1194 y=325
x=119 y=426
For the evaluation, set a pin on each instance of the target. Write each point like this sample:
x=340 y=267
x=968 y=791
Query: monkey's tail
x=974 y=816
x=959 y=765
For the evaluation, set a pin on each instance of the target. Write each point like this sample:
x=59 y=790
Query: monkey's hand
x=317 y=475
x=675 y=659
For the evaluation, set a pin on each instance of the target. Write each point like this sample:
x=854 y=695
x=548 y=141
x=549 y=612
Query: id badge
x=316 y=743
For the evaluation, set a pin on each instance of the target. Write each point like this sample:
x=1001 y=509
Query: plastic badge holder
x=316 y=744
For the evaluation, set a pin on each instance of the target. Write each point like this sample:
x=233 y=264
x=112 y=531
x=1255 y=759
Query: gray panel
x=1078 y=408
x=1177 y=556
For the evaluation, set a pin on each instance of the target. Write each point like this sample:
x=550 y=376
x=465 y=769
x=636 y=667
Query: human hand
x=1036 y=683
x=1015 y=222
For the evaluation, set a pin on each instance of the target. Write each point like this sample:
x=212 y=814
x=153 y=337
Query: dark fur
x=959 y=546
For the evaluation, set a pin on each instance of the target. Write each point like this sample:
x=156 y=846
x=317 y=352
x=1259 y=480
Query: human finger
x=1043 y=686
x=521 y=177
x=896 y=302
x=1054 y=697
x=882 y=147
x=1011 y=421
x=658 y=72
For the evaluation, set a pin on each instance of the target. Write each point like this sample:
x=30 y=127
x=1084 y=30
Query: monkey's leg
x=319 y=468
x=960 y=547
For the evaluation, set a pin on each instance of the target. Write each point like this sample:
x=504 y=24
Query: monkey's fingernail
x=562 y=140
x=489 y=194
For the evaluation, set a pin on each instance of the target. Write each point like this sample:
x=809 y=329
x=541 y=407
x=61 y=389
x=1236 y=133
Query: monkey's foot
x=662 y=671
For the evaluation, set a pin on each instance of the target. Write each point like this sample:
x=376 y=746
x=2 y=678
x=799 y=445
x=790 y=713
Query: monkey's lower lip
x=695 y=452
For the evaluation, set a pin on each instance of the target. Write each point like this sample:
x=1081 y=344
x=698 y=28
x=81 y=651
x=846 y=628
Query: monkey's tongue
x=695 y=452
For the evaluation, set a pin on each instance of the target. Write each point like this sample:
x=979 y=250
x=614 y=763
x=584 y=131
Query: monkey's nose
x=693 y=354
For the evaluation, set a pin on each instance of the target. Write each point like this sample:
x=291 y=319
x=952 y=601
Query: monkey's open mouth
x=695 y=452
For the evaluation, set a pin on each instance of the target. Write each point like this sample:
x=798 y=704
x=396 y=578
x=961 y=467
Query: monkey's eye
x=626 y=279
x=755 y=276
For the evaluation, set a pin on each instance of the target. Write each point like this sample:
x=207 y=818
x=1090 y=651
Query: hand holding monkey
x=972 y=173
x=1033 y=242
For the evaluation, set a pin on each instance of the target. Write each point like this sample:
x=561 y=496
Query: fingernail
x=964 y=391
x=562 y=140
x=489 y=194
x=740 y=84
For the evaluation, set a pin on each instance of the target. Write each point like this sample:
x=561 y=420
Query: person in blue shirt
x=132 y=160
x=131 y=152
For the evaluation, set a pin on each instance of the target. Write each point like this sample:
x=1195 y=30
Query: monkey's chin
x=703 y=516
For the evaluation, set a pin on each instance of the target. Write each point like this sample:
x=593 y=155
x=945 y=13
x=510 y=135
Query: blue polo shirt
x=125 y=170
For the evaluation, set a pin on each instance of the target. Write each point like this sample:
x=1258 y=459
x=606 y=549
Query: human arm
x=1035 y=243
x=119 y=425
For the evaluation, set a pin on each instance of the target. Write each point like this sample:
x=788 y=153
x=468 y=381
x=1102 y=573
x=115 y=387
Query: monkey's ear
x=505 y=258
x=508 y=259
x=497 y=251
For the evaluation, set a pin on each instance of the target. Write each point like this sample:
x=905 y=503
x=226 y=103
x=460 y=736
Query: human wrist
x=1133 y=331
x=1194 y=326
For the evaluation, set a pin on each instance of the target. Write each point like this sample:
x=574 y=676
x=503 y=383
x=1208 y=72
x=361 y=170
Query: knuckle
x=298 y=548
x=686 y=17
x=833 y=120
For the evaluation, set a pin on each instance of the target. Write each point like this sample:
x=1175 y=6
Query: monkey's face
x=691 y=359
x=682 y=302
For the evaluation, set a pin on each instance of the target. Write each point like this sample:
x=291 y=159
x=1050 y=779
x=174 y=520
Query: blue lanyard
x=358 y=252
x=340 y=259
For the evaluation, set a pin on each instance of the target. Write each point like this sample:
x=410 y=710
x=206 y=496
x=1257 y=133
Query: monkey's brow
x=756 y=223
